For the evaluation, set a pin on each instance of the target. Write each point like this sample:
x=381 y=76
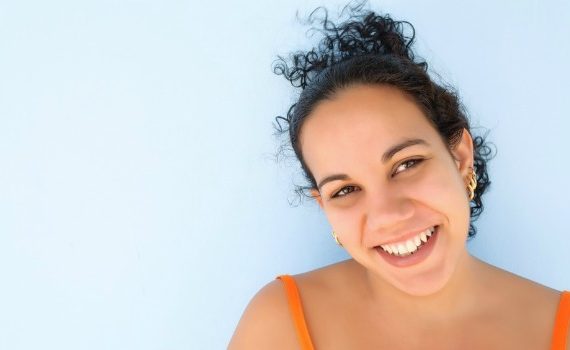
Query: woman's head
x=383 y=176
x=387 y=152
x=371 y=49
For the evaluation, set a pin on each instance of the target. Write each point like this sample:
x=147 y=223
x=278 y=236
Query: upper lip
x=406 y=236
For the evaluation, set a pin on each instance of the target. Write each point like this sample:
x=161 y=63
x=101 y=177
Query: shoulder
x=330 y=285
x=531 y=293
x=508 y=284
x=531 y=304
x=525 y=296
x=265 y=323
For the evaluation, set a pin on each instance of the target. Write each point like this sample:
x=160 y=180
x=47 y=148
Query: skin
x=389 y=200
x=450 y=300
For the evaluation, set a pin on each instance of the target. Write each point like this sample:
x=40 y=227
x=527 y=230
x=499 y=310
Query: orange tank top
x=561 y=324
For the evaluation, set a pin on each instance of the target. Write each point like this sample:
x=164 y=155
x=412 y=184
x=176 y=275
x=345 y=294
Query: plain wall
x=140 y=203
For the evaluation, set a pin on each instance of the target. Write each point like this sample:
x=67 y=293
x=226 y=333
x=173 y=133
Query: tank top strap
x=562 y=322
x=296 y=309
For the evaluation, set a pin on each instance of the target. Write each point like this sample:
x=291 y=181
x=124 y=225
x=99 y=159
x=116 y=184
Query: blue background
x=140 y=203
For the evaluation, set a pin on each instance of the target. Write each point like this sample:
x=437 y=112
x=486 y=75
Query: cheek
x=444 y=190
x=344 y=221
x=441 y=187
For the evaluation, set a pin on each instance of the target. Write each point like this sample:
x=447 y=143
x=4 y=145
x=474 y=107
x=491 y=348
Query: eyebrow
x=390 y=152
x=400 y=146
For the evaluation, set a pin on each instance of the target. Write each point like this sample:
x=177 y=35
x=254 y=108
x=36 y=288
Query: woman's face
x=374 y=194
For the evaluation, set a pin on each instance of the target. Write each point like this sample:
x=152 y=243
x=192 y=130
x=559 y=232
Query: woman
x=391 y=160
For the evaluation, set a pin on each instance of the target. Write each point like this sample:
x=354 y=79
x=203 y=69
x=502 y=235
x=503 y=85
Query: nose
x=388 y=209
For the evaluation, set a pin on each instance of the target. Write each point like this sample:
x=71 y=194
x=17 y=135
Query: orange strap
x=297 y=311
x=562 y=322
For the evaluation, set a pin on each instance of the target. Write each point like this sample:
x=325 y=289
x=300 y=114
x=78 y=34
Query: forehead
x=361 y=121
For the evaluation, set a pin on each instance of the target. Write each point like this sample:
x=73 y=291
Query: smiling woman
x=390 y=158
x=394 y=195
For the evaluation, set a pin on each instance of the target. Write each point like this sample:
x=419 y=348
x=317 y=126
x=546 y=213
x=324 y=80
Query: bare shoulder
x=265 y=323
x=532 y=305
x=329 y=277
x=542 y=305
x=527 y=290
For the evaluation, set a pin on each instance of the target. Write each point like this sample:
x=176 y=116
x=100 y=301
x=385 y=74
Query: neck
x=456 y=300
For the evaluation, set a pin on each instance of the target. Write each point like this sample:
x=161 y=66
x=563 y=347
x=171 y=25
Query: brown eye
x=344 y=191
x=407 y=164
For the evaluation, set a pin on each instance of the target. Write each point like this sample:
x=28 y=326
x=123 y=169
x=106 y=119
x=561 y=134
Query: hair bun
x=363 y=33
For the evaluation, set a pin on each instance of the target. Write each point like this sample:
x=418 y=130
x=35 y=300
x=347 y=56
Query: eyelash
x=414 y=161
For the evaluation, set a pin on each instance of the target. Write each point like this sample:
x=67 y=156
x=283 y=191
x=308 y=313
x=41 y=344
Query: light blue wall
x=140 y=207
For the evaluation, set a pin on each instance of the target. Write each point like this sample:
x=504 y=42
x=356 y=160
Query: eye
x=407 y=164
x=344 y=191
x=410 y=163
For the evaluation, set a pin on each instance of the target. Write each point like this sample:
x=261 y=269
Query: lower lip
x=419 y=255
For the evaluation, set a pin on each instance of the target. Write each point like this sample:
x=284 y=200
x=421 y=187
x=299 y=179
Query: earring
x=472 y=185
x=336 y=239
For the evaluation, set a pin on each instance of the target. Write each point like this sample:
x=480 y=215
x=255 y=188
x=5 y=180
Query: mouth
x=412 y=251
x=409 y=246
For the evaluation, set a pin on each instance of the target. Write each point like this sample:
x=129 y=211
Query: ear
x=317 y=196
x=463 y=153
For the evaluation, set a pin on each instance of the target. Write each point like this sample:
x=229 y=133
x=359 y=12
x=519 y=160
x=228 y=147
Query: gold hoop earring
x=472 y=184
x=336 y=239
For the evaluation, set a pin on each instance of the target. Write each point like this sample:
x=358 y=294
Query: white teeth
x=409 y=246
x=417 y=241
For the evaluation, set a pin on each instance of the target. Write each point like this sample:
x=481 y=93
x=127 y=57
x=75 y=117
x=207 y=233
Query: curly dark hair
x=371 y=48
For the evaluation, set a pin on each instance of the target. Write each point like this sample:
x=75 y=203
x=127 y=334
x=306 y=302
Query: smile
x=410 y=246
